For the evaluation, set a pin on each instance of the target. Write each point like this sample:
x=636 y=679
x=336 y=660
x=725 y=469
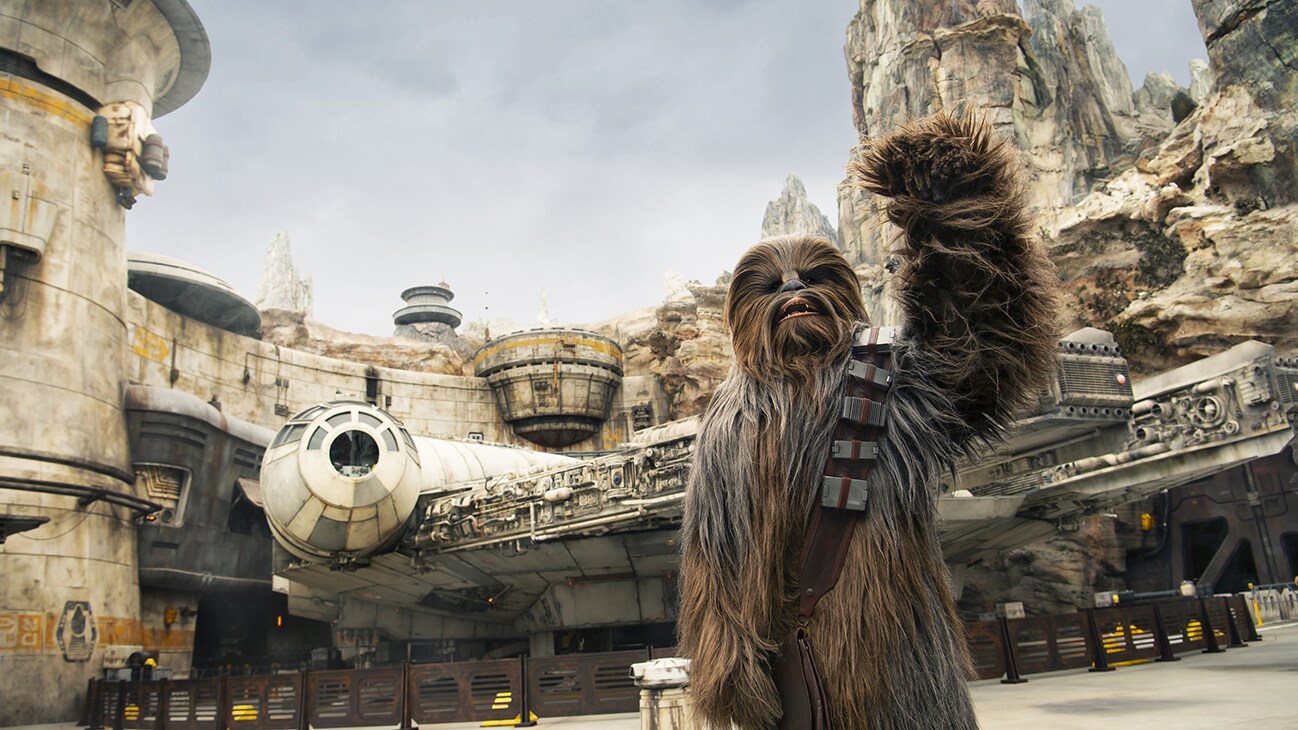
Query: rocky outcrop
x=280 y=286
x=1253 y=44
x=1056 y=575
x=294 y=330
x=793 y=213
x=683 y=341
x=1048 y=78
x=1172 y=214
x=1200 y=80
x=1185 y=253
x=438 y=333
x=1168 y=234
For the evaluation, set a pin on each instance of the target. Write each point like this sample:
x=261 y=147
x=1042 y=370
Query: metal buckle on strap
x=870 y=373
x=875 y=339
x=864 y=411
x=854 y=450
x=843 y=493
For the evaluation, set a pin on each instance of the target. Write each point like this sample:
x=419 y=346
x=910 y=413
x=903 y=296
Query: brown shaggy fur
x=977 y=344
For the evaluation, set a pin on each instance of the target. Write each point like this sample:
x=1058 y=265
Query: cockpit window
x=289 y=435
x=354 y=453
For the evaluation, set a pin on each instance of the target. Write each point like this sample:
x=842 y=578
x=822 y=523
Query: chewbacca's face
x=791 y=306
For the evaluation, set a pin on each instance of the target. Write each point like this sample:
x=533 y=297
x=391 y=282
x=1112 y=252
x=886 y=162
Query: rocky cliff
x=683 y=341
x=295 y=330
x=1167 y=210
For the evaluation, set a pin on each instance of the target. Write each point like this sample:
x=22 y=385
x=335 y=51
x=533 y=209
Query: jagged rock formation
x=1155 y=96
x=793 y=213
x=1200 y=80
x=683 y=341
x=1170 y=213
x=1056 y=575
x=294 y=330
x=1185 y=252
x=1049 y=79
x=1168 y=236
x=438 y=333
x=280 y=286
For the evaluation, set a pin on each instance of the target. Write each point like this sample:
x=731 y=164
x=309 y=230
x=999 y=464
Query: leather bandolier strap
x=843 y=500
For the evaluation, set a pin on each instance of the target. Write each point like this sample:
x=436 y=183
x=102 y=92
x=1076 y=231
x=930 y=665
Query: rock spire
x=792 y=213
x=280 y=286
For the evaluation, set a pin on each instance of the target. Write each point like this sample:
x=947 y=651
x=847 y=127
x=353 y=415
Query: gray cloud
x=583 y=147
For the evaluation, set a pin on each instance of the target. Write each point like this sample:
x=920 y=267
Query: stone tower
x=83 y=81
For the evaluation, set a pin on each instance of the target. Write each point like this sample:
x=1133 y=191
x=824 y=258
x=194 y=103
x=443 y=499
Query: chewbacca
x=976 y=344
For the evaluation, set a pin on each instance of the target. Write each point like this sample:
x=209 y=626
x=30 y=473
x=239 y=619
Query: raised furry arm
x=977 y=291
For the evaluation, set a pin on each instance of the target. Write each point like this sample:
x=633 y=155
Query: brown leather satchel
x=843 y=498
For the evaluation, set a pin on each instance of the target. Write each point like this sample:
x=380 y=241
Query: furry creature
x=976 y=345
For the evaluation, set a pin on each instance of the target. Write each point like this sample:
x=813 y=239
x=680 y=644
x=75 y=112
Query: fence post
x=1011 y=662
x=1101 y=663
x=304 y=700
x=1160 y=635
x=94 y=705
x=223 y=709
x=524 y=700
x=1236 y=640
x=1245 y=615
x=1209 y=636
x=163 y=707
x=404 y=700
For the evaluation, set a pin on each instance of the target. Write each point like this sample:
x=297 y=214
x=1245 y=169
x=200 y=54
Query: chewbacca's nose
x=793 y=285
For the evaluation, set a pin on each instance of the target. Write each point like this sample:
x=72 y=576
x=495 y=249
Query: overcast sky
x=509 y=146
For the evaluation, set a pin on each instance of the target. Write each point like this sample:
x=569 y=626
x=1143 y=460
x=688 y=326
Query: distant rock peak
x=281 y=287
x=793 y=213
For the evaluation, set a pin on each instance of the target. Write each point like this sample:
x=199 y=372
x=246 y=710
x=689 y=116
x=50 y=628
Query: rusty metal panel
x=465 y=691
x=193 y=704
x=141 y=708
x=265 y=702
x=1127 y=633
x=1183 y=625
x=1050 y=643
x=1219 y=619
x=583 y=684
x=359 y=697
x=986 y=648
x=663 y=652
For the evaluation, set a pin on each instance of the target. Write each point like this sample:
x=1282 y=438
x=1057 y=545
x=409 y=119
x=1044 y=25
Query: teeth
x=797 y=306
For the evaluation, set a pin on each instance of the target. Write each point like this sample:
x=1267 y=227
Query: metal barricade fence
x=585 y=684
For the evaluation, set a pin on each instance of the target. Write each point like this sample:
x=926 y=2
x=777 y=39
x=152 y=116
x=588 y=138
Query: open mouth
x=798 y=307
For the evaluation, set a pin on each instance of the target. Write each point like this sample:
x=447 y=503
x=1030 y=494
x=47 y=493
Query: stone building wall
x=69 y=600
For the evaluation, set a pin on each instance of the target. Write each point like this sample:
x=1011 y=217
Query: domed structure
x=427 y=304
x=342 y=480
x=554 y=386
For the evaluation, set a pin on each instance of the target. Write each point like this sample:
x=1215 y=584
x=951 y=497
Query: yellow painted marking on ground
x=16 y=90
x=510 y=722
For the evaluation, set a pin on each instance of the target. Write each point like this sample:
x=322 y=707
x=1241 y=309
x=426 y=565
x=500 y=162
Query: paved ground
x=1252 y=687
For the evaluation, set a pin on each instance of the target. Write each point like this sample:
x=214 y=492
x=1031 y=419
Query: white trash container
x=664 y=694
